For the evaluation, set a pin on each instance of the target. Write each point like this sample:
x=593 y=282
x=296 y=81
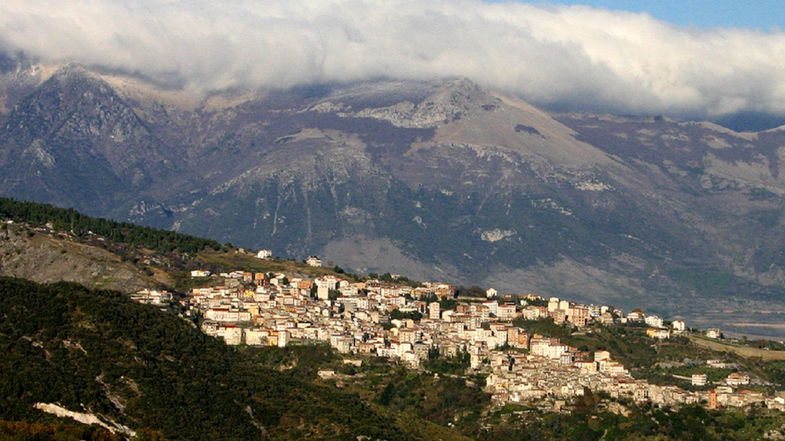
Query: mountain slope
x=96 y=352
x=434 y=179
x=74 y=141
x=43 y=257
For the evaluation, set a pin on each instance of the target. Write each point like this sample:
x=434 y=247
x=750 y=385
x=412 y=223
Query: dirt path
x=743 y=351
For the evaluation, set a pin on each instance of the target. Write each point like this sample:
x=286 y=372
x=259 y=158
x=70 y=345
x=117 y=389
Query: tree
x=397 y=314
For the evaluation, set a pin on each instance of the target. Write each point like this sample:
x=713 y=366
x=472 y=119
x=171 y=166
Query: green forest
x=69 y=220
x=97 y=351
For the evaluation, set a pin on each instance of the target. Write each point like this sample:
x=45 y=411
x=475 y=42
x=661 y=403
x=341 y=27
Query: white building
x=587 y=367
x=653 y=321
x=699 y=379
x=322 y=292
x=313 y=261
x=256 y=337
x=737 y=379
x=264 y=254
x=679 y=325
x=506 y=311
x=658 y=333
x=283 y=339
x=434 y=311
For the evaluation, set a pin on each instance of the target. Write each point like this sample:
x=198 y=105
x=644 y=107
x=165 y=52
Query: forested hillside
x=71 y=220
x=97 y=352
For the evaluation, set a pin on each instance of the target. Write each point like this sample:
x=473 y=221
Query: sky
x=599 y=55
x=764 y=15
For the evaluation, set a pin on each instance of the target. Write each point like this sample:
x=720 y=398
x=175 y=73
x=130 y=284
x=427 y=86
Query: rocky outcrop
x=45 y=257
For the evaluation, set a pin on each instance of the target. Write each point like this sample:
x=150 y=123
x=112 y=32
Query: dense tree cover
x=121 y=232
x=440 y=399
x=446 y=365
x=544 y=326
x=59 y=431
x=398 y=279
x=444 y=303
x=537 y=302
x=470 y=291
x=145 y=368
x=397 y=314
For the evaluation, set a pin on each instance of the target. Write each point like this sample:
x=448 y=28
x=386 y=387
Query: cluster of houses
x=153 y=297
x=547 y=372
x=411 y=324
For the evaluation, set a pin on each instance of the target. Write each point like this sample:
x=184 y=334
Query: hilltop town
x=412 y=323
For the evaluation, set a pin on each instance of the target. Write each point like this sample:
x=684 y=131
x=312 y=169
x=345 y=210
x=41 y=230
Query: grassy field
x=742 y=351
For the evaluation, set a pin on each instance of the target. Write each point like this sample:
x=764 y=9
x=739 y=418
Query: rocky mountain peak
x=423 y=178
x=434 y=104
x=72 y=72
x=462 y=92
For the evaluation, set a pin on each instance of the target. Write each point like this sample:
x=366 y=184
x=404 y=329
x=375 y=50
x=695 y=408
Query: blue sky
x=766 y=15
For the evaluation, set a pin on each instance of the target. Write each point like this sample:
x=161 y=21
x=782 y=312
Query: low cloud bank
x=558 y=57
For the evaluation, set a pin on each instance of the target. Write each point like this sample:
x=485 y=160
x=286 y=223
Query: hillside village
x=412 y=324
x=529 y=357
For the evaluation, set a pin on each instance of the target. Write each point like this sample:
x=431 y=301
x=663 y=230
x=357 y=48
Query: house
x=264 y=254
x=658 y=333
x=606 y=318
x=491 y=293
x=699 y=379
x=200 y=273
x=534 y=312
x=559 y=316
x=325 y=374
x=578 y=315
x=679 y=325
x=506 y=311
x=713 y=333
x=612 y=368
x=587 y=367
x=256 y=337
x=283 y=339
x=434 y=311
x=737 y=379
x=313 y=261
x=653 y=321
x=635 y=316
x=547 y=347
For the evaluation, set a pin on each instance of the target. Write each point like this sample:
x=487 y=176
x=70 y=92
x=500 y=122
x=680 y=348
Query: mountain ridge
x=434 y=179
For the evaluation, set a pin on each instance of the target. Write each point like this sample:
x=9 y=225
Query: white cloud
x=568 y=57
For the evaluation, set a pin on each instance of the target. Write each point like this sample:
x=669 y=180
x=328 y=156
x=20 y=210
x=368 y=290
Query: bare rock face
x=439 y=179
x=44 y=258
x=72 y=139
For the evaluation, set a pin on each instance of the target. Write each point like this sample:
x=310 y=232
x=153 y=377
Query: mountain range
x=439 y=179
